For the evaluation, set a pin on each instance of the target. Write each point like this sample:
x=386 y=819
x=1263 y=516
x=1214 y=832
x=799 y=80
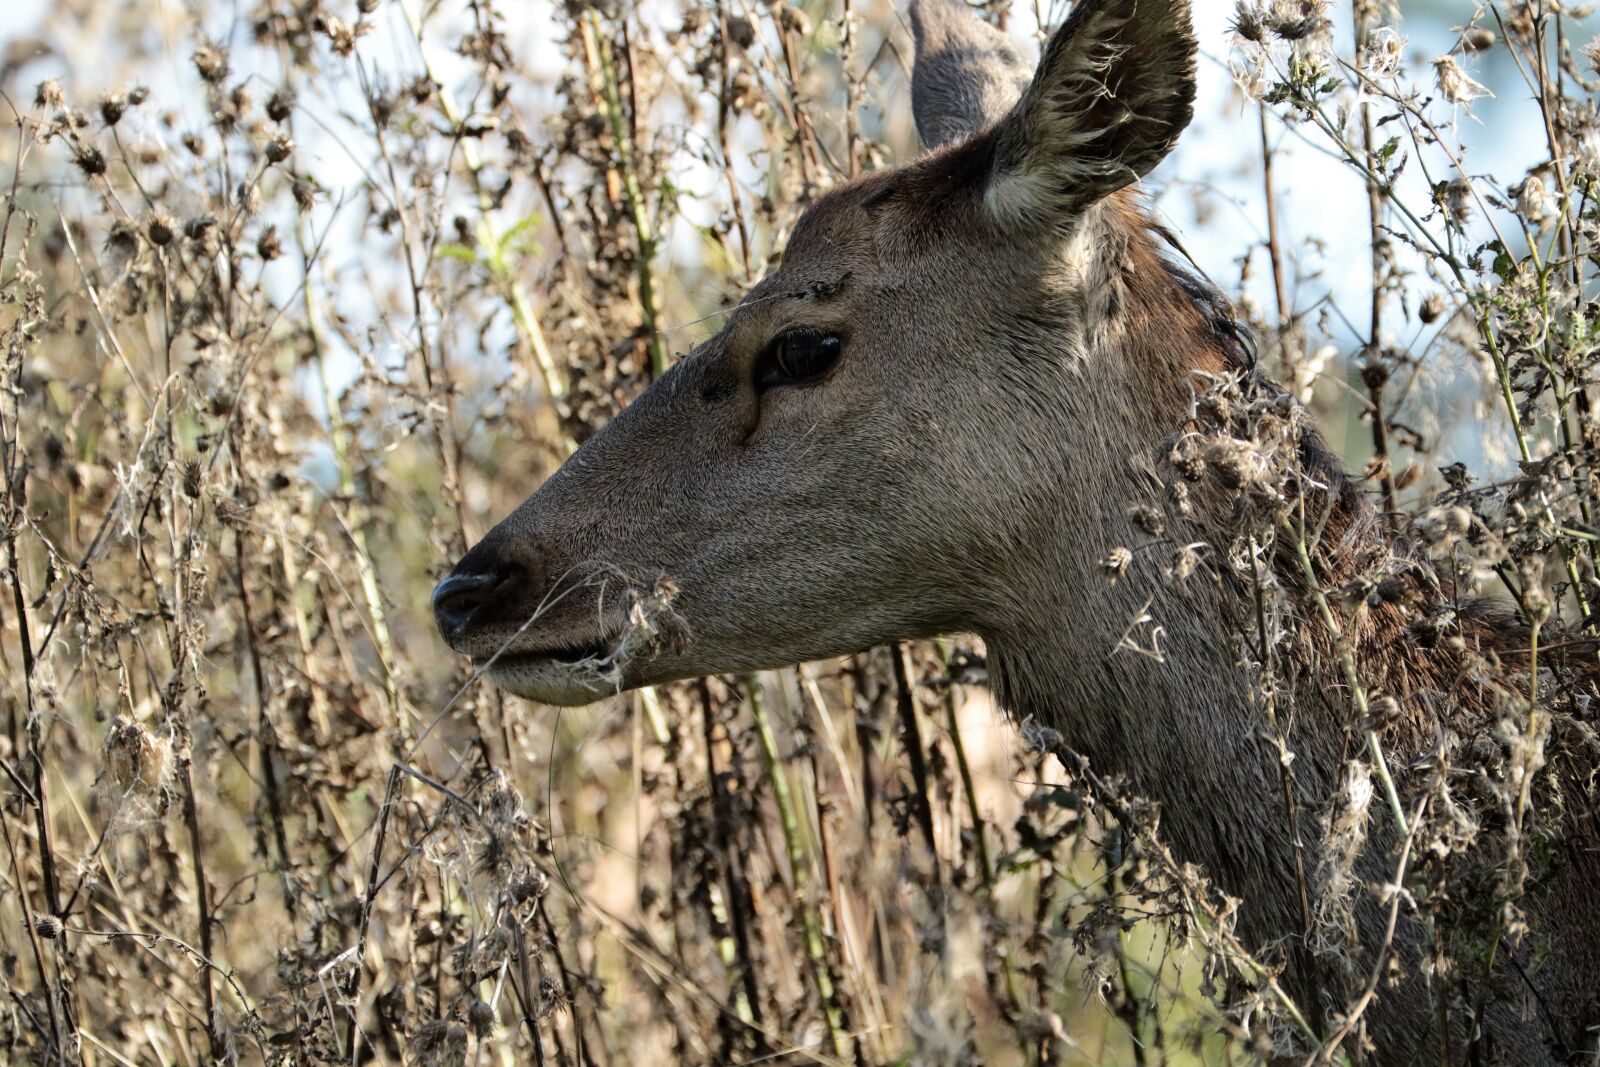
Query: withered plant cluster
x=296 y=298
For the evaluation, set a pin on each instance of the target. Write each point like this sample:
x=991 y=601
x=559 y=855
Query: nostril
x=458 y=598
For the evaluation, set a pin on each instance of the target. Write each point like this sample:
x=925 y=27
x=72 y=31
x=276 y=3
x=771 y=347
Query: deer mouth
x=565 y=674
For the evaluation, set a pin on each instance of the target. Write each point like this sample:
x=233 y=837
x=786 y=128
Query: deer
x=932 y=418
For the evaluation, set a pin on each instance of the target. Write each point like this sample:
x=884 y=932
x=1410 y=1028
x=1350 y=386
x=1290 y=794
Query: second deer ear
x=1113 y=90
x=967 y=74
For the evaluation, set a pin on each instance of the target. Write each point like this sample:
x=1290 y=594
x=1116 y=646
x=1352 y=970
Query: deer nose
x=459 y=598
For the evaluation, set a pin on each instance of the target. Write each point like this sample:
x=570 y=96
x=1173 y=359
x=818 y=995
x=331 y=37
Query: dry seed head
x=91 y=161
x=1385 y=52
x=1249 y=23
x=1149 y=520
x=269 y=246
x=279 y=148
x=1453 y=83
x=211 y=62
x=480 y=1015
x=159 y=228
x=49 y=94
x=741 y=32
x=1383 y=712
x=1297 y=20
x=134 y=758
x=197 y=228
x=1115 y=563
x=47 y=926
x=1432 y=307
x=112 y=108
x=1185 y=561
x=1477 y=39
x=1188 y=457
x=1534 y=202
x=280 y=105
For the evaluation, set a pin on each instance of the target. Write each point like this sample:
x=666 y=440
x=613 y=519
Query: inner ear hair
x=1114 y=89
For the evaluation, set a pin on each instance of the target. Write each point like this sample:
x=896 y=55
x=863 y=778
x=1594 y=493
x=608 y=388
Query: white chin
x=552 y=681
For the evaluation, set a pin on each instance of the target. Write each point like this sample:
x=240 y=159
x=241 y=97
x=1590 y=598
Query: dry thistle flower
x=47 y=926
x=1188 y=457
x=49 y=94
x=159 y=228
x=1249 y=22
x=280 y=105
x=279 y=148
x=340 y=34
x=1115 y=563
x=112 y=108
x=1534 y=202
x=1478 y=39
x=741 y=32
x=1385 y=53
x=480 y=1016
x=211 y=62
x=1185 y=561
x=1457 y=201
x=1149 y=520
x=1454 y=84
x=1591 y=52
x=90 y=160
x=1298 y=20
x=135 y=759
x=199 y=227
x=1440 y=526
x=1431 y=308
x=269 y=246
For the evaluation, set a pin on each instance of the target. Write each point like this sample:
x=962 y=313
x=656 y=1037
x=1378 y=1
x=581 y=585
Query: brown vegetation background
x=298 y=298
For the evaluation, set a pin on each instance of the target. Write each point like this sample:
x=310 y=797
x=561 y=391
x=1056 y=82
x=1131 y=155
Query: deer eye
x=797 y=358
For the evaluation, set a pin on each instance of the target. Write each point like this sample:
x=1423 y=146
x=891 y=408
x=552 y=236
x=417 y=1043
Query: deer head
x=918 y=425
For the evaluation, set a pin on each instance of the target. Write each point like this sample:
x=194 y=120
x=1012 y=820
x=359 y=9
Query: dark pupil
x=802 y=356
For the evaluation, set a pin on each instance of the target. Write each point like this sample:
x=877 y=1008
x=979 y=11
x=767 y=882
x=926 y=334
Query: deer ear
x=1114 y=88
x=967 y=74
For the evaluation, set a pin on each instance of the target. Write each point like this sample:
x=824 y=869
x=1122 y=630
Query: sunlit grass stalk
x=633 y=192
x=505 y=276
x=979 y=838
x=799 y=864
x=366 y=572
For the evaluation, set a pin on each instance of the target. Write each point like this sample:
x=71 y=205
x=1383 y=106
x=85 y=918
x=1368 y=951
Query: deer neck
x=1145 y=675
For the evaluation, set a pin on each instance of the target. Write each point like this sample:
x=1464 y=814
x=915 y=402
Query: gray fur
x=967 y=73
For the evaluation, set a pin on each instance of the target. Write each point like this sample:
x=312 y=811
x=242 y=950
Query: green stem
x=632 y=191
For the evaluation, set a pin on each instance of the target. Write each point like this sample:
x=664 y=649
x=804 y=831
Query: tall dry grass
x=298 y=298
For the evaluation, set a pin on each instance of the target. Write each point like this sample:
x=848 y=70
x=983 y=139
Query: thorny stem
x=366 y=572
x=1352 y=676
x=1375 y=373
x=527 y=323
x=906 y=706
x=970 y=793
x=799 y=865
x=622 y=139
x=1280 y=290
x=1485 y=321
